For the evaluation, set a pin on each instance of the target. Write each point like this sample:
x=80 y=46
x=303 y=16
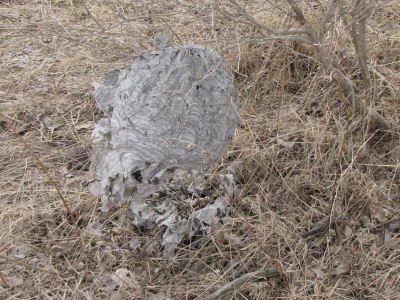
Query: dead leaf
x=57 y=250
x=63 y=171
x=387 y=236
x=348 y=231
x=319 y=271
x=124 y=278
x=51 y=124
x=84 y=126
x=340 y=267
x=159 y=296
x=20 y=251
x=285 y=144
x=366 y=238
x=236 y=168
x=78 y=180
x=15 y=281
x=135 y=244
x=374 y=249
x=228 y=183
x=366 y=221
x=381 y=214
x=394 y=227
x=318 y=227
x=95 y=229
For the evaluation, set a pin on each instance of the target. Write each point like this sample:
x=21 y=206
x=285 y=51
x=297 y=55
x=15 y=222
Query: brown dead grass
x=308 y=160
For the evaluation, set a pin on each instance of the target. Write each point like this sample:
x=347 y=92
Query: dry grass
x=308 y=161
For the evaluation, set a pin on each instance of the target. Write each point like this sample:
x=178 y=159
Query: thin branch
x=326 y=57
x=238 y=282
x=262 y=27
x=298 y=12
x=296 y=38
x=338 y=173
x=6 y=284
x=328 y=17
x=376 y=120
x=91 y=16
x=358 y=28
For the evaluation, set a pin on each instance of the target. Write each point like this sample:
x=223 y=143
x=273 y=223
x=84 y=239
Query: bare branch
x=358 y=27
x=5 y=281
x=328 y=17
x=238 y=282
x=298 y=11
x=319 y=227
x=290 y=34
x=376 y=120
x=91 y=16
x=324 y=54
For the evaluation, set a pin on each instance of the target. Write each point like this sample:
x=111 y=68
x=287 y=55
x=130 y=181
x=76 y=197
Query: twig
x=298 y=11
x=327 y=18
x=91 y=15
x=43 y=167
x=326 y=57
x=296 y=38
x=319 y=227
x=262 y=27
x=5 y=281
x=360 y=14
x=376 y=120
x=335 y=186
x=238 y=282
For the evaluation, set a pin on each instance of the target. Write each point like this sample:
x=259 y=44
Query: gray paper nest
x=168 y=116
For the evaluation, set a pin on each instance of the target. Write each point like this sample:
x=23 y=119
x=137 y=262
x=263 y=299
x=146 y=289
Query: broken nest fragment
x=168 y=116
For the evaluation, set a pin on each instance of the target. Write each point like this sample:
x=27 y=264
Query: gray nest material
x=173 y=109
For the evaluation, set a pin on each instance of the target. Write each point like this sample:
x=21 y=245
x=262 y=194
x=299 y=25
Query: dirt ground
x=320 y=185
